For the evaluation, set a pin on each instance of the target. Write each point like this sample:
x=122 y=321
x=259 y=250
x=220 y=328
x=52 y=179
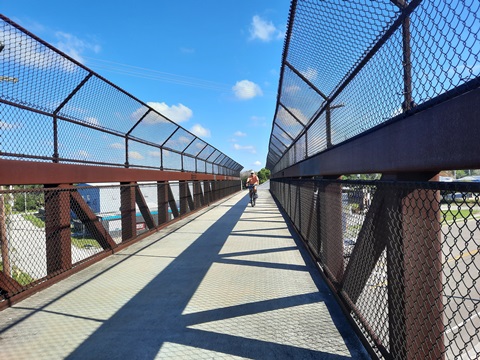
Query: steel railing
x=56 y=109
x=386 y=87
x=49 y=232
x=86 y=168
x=403 y=257
x=351 y=66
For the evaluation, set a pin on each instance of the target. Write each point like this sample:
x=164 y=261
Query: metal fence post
x=57 y=229
x=331 y=229
x=423 y=275
x=162 y=200
x=183 y=196
x=127 y=209
x=197 y=194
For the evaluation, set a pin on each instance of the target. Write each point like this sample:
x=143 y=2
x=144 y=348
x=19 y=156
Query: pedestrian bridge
x=125 y=235
x=230 y=281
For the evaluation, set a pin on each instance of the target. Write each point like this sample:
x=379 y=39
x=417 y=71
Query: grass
x=81 y=243
x=19 y=276
x=34 y=220
x=456 y=215
x=85 y=243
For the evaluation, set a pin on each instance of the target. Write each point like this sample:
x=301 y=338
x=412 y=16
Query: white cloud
x=118 y=146
x=8 y=126
x=257 y=163
x=183 y=140
x=292 y=89
x=311 y=74
x=23 y=50
x=249 y=148
x=73 y=46
x=240 y=134
x=263 y=30
x=200 y=131
x=246 y=89
x=92 y=121
x=299 y=115
x=285 y=119
x=154 y=153
x=151 y=118
x=178 y=113
x=135 y=155
x=83 y=154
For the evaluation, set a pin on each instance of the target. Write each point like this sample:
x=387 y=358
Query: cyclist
x=253 y=180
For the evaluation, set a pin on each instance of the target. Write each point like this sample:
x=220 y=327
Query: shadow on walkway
x=224 y=285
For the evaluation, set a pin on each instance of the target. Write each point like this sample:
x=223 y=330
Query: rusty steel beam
x=369 y=246
x=162 y=200
x=172 y=203
x=207 y=193
x=90 y=220
x=305 y=80
x=144 y=210
x=8 y=284
x=190 y=200
x=183 y=191
x=422 y=259
x=425 y=141
x=127 y=209
x=32 y=173
x=406 y=223
x=57 y=229
x=331 y=229
x=198 y=198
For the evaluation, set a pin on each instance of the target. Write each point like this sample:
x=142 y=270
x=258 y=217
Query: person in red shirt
x=253 y=180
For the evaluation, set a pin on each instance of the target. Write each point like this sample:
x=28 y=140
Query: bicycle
x=252 y=194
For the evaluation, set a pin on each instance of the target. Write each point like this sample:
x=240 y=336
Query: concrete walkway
x=229 y=282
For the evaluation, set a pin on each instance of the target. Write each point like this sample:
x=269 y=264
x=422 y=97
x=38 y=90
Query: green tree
x=32 y=200
x=263 y=175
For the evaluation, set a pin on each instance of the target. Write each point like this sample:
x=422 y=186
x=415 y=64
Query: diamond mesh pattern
x=42 y=88
x=403 y=257
x=45 y=232
x=371 y=61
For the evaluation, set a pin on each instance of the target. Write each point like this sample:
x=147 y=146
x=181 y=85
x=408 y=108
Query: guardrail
x=351 y=67
x=56 y=109
x=403 y=258
x=49 y=231
x=386 y=88
x=86 y=168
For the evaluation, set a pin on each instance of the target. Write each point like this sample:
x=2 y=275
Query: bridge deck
x=229 y=282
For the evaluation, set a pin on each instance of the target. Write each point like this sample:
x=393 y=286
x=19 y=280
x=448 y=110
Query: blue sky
x=212 y=66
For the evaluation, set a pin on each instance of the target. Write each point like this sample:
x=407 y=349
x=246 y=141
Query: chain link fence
x=45 y=232
x=403 y=258
x=55 y=109
x=351 y=66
